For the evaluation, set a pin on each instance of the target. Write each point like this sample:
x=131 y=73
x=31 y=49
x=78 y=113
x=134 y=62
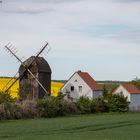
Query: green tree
x=136 y=82
x=105 y=90
x=117 y=103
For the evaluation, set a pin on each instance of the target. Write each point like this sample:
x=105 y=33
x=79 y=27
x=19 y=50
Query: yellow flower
x=6 y=82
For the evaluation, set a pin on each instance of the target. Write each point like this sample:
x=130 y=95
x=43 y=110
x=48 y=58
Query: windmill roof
x=36 y=64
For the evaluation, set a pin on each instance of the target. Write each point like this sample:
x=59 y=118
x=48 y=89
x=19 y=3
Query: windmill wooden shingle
x=29 y=87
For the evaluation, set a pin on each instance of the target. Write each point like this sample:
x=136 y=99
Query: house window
x=75 y=81
x=121 y=93
x=80 y=88
x=72 y=88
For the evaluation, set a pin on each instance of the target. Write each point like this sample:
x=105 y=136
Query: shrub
x=57 y=106
x=28 y=108
x=9 y=111
x=98 y=105
x=48 y=107
x=5 y=97
x=117 y=103
x=83 y=104
x=18 y=110
x=3 y=113
x=68 y=107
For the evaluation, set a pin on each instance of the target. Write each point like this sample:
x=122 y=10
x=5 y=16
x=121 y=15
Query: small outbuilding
x=28 y=86
x=132 y=94
x=81 y=84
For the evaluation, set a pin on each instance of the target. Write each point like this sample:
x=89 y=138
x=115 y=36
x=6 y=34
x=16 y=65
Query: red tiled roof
x=89 y=80
x=131 y=88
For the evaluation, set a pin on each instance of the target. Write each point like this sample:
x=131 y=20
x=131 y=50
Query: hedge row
x=56 y=106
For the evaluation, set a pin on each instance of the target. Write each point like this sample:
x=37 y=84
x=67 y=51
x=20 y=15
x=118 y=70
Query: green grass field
x=86 y=127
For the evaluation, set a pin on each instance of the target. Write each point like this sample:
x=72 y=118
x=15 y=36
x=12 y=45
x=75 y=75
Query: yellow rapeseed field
x=55 y=88
x=5 y=82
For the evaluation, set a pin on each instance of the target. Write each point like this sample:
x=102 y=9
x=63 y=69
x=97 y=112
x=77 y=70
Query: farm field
x=5 y=82
x=85 y=127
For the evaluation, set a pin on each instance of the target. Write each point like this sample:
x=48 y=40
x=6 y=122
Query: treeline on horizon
x=98 y=81
x=110 y=85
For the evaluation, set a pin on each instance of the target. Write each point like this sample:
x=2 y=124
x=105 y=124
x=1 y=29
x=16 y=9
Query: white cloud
x=76 y=30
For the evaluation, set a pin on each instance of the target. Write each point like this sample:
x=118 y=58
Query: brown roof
x=131 y=88
x=89 y=80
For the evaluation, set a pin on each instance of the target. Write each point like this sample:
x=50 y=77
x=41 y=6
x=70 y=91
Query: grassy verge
x=85 y=127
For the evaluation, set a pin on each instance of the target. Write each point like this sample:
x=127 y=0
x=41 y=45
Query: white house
x=81 y=84
x=132 y=94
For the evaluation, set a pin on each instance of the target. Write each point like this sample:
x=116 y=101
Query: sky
x=101 y=37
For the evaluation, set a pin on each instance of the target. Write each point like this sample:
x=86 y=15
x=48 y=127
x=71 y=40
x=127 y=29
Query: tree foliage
x=5 y=97
x=136 y=82
x=116 y=103
x=105 y=90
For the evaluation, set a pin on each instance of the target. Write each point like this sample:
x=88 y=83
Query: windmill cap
x=39 y=65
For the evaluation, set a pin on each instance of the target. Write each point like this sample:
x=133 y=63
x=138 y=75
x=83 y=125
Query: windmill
x=29 y=79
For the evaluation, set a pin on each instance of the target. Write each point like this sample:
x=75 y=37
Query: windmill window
x=26 y=75
x=72 y=88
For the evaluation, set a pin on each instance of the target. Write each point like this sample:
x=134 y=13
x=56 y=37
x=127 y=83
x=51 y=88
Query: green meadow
x=124 y=126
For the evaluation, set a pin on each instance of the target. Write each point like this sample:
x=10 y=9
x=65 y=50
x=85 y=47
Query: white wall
x=122 y=90
x=97 y=94
x=135 y=102
x=77 y=81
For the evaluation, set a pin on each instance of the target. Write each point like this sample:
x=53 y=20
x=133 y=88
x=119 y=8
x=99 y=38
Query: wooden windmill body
x=28 y=86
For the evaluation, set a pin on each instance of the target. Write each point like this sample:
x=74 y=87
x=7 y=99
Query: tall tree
x=136 y=82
